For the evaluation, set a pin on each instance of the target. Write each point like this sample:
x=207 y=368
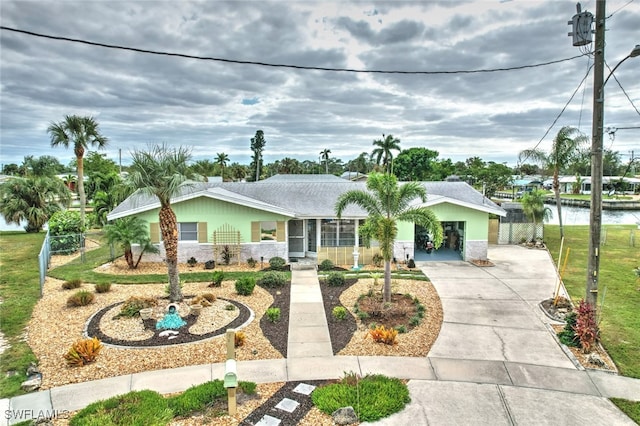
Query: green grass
x=618 y=285
x=630 y=408
x=20 y=289
x=373 y=397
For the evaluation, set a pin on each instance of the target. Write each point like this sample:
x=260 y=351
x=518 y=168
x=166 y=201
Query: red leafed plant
x=586 y=328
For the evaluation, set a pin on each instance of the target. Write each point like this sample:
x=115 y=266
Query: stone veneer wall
x=476 y=249
x=403 y=248
x=204 y=252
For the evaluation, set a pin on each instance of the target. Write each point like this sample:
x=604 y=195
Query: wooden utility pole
x=595 y=219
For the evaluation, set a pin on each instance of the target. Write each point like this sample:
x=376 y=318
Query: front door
x=296 y=238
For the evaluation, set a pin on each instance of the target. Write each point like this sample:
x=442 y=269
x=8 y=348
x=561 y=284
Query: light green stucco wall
x=477 y=222
x=216 y=213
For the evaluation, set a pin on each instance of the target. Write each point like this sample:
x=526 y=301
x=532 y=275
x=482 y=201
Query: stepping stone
x=304 y=389
x=288 y=405
x=268 y=421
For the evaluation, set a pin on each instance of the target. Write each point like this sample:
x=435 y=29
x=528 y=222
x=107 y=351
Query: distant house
x=292 y=216
x=354 y=176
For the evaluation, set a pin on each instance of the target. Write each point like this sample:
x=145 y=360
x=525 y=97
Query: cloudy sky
x=215 y=106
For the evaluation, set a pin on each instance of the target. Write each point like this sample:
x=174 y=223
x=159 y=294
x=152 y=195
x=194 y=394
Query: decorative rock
x=595 y=359
x=168 y=333
x=33 y=369
x=171 y=337
x=344 y=416
x=32 y=383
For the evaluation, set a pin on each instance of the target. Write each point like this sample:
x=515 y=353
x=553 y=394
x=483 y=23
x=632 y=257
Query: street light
x=595 y=222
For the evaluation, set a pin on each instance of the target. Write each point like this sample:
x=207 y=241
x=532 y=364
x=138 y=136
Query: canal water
x=580 y=216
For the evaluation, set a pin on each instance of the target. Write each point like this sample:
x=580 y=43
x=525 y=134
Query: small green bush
x=248 y=388
x=568 y=336
x=216 y=279
x=339 y=312
x=401 y=329
x=326 y=265
x=373 y=397
x=81 y=298
x=273 y=314
x=71 y=284
x=335 y=279
x=144 y=407
x=273 y=279
x=414 y=320
x=245 y=285
x=277 y=263
x=103 y=287
x=377 y=260
x=196 y=398
x=131 y=307
x=252 y=262
x=230 y=307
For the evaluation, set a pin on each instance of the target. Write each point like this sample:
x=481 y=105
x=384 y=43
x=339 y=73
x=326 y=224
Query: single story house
x=293 y=217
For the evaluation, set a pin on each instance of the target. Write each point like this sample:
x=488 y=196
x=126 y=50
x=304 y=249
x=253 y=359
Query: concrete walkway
x=495 y=361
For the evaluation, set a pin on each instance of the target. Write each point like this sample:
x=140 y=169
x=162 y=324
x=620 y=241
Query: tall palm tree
x=533 y=206
x=221 y=160
x=324 y=154
x=387 y=203
x=129 y=230
x=565 y=147
x=81 y=133
x=383 y=149
x=34 y=199
x=162 y=171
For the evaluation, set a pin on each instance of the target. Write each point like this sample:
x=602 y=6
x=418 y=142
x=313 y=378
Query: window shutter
x=154 y=232
x=255 y=232
x=202 y=232
x=280 y=234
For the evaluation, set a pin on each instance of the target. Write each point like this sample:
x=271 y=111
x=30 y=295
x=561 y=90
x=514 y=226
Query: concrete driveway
x=492 y=313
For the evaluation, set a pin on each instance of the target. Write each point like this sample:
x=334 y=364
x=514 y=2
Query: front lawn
x=619 y=292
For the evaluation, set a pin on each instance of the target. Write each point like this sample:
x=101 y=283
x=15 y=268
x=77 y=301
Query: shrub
x=248 y=388
x=381 y=334
x=326 y=265
x=192 y=261
x=81 y=298
x=103 y=287
x=83 y=352
x=245 y=285
x=133 y=408
x=411 y=264
x=131 y=307
x=567 y=336
x=339 y=312
x=335 y=279
x=210 y=264
x=586 y=328
x=401 y=329
x=226 y=254
x=239 y=339
x=65 y=229
x=71 y=284
x=252 y=262
x=277 y=263
x=372 y=397
x=216 y=279
x=377 y=260
x=272 y=279
x=196 y=398
x=273 y=314
x=414 y=320
x=230 y=307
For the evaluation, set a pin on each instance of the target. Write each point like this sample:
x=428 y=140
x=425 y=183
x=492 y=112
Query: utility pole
x=595 y=219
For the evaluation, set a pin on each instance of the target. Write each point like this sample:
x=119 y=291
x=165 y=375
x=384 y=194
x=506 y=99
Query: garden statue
x=172 y=320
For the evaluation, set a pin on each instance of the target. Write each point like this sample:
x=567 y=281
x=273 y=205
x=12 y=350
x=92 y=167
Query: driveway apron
x=492 y=313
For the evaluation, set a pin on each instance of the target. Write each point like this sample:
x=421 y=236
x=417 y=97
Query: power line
x=274 y=65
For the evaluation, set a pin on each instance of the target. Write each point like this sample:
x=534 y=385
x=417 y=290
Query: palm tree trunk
x=128 y=256
x=386 y=295
x=83 y=198
x=169 y=229
x=556 y=190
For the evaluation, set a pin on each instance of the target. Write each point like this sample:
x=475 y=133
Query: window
x=188 y=231
x=268 y=231
x=338 y=233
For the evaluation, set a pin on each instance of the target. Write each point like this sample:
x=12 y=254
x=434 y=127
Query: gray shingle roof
x=310 y=198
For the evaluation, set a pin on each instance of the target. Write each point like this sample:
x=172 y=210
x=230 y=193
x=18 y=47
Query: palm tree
x=533 y=206
x=126 y=231
x=221 y=160
x=257 y=146
x=82 y=133
x=324 y=154
x=33 y=199
x=162 y=171
x=383 y=151
x=204 y=168
x=387 y=203
x=564 y=149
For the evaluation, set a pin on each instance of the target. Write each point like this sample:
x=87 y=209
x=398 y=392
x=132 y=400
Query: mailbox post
x=231 y=372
